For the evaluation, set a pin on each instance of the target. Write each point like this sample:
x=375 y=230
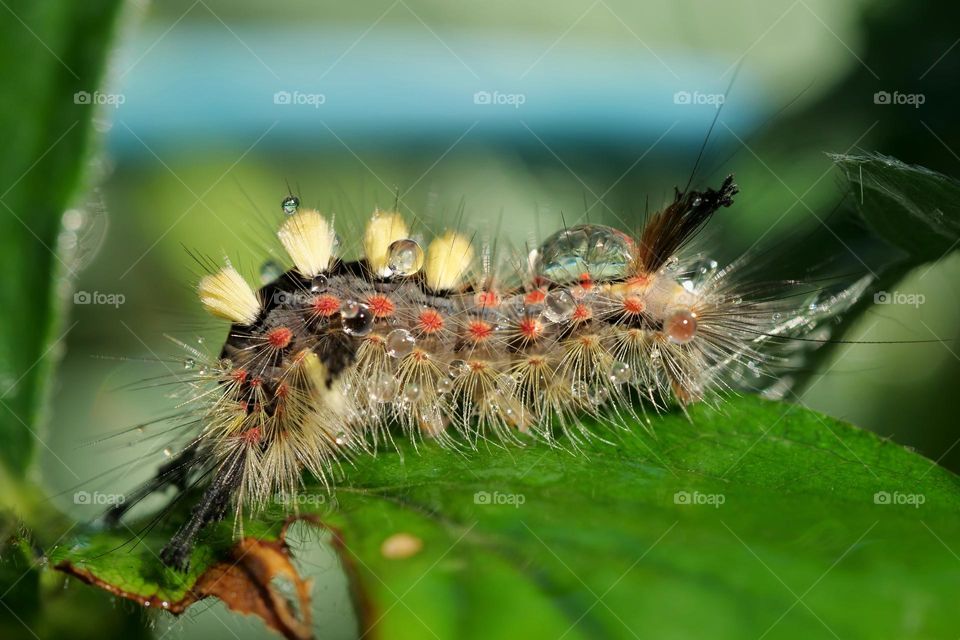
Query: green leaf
x=748 y=519
x=49 y=51
x=913 y=208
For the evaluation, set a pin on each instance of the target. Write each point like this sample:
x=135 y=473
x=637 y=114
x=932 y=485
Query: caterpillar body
x=332 y=358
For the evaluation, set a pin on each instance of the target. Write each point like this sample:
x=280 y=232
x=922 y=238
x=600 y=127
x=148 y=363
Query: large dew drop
x=598 y=251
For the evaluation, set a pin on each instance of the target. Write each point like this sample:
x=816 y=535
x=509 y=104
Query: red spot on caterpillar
x=530 y=328
x=282 y=390
x=634 y=305
x=478 y=330
x=381 y=306
x=251 y=436
x=582 y=313
x=487 y=299
x=280 y=337
x=256 y=382
x=430 y=321
x=535 y=297
x=586 y=281
x=239 y=376
x=639 y=280
x=326 y=305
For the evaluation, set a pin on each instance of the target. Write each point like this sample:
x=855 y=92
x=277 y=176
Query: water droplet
x=318 y=283
x=559 y=306
x=384 y=388
x=400 y=343
x=168 y=452
x=597 y=394
x=458 y=368
x=357 y=319
x=412 y=392
x=777 y=317
x=444 y=385
x=189 y=363
x=341 y=438
x=620 y=373
x=290 y=205
x=578 y=389
x=602 y=252
x=270 y=270
x=681 y=326
x=404 y=257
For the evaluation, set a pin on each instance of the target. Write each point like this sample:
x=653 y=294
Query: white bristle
x=309 y=240
x=382 y=230
x=449 y=258
x=227 y=295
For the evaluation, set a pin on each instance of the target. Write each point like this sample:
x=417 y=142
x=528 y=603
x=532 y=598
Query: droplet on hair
x=290 y=205
x=620 y=373
x=318 y=283
x=559 y=306
x=458 y=368
x=189 y=364
x=681 y=326
x=384 y=388
x=412 y=391
x=404 y=257
x=400 y=343
x=357 y=319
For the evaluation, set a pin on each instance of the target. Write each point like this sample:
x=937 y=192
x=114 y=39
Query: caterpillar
x=334 y=358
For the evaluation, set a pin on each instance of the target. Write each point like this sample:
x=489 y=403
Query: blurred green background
x=527 y=114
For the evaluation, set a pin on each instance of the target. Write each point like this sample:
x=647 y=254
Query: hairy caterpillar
x=461 y=345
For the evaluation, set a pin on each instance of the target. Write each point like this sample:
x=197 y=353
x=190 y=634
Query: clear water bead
x=602 y=252
x=318 y=283
x=400 y=343
x=384 y=388
x=189 y=363
x=559 y=306
x=290 y=205
x=412 y=392
x=404 y=257
x=620 y=373
x=357 y=319
x=458 y=368
x=444 y=385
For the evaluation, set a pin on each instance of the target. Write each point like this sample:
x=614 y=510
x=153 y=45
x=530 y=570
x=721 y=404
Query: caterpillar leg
x=211 y=508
